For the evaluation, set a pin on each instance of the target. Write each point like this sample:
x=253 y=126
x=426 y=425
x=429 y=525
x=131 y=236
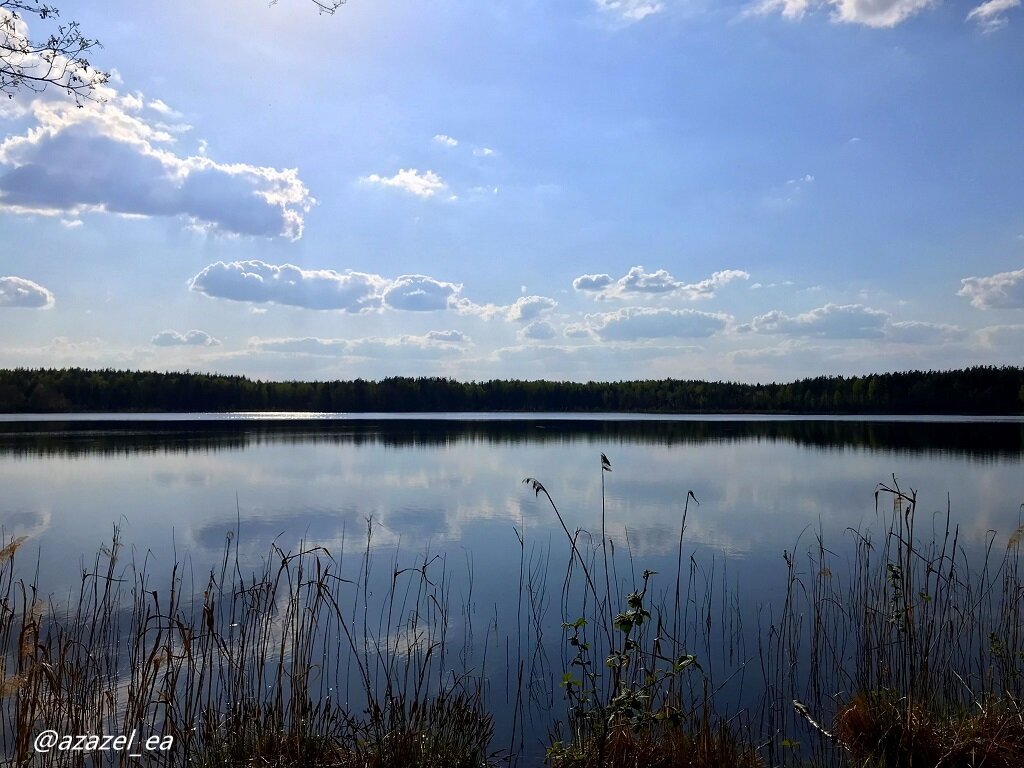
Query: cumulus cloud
x=426 y=184
x=419 y=293
x=1001 y=291
x=257 y=282
x=638 y=282
x=877 y=13
x=917 y=332
x=445 y=140
x=832 y=321
x=538 y=330
x=630 y=10
x=592 y=282
x=448 y=337
x=260 y=283
x=991 y=15
x=21 y=293
x=870 y=13
x=527 y=308
x=104 y=157
x=639 y=323
x=483 y=152
x=430 y=345
x=191 y=338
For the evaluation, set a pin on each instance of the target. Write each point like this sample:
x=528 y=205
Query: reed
x=636 y=693
x=246 y=669
x=908 y=652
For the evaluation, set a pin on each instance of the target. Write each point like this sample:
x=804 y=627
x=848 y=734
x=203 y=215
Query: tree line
x=977 y=390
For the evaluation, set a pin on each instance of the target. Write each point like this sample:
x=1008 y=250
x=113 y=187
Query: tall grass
x=905 y=651
x=908 y=652
x=246 y=669
x=637 y=694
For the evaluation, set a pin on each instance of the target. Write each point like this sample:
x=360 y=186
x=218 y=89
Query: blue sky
x=574 y=189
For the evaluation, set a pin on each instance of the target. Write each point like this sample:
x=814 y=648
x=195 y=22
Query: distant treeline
x=978 y=390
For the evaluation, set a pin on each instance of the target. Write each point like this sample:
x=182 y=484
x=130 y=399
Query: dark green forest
x=978 y=390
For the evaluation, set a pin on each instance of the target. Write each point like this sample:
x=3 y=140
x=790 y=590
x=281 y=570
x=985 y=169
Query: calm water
x=179 y=485
x=457 y=483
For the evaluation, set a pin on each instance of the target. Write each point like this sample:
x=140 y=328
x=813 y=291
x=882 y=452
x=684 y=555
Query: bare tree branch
x=325 y=6
x=29 y=64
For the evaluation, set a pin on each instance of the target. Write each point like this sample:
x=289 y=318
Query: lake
x=179 y=486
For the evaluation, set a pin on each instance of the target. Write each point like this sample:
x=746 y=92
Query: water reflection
x=981 y=439
x=759 y=483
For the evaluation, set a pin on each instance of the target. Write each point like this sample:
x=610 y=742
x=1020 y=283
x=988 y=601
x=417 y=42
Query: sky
x=570 y=189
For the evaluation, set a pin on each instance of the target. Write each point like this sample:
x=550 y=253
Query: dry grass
x=285 y=666
x=882 y=731
x=664 y=746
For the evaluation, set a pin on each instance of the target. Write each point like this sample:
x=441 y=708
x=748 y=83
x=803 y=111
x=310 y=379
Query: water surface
x=179 y=485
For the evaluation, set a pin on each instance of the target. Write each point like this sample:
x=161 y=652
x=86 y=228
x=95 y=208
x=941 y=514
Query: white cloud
x=133 y=102
x=419 y=293
x=445 y=140
x=483 y=152
x=159 y=105
x=591 y=282
x=538 y=330
x=1001 y=291
x=832 y=321
x=790 y=9
x=326 y=289
x=527 y=308
x=991 y=15
x=448 y=337
x=191 y=338
x=426 y=184
x=917 y=332
x=637 y=323
x=262 y=283
x=630 y=10
x=25 y=294
x=638 y=281
x=104 y=157
x=877 y=13
x=430 y=345
x=870 y=13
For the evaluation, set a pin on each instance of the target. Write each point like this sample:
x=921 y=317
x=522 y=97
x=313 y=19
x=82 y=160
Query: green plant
x=625 y=680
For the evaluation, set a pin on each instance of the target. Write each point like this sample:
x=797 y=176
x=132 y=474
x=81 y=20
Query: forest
x=976 y=390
